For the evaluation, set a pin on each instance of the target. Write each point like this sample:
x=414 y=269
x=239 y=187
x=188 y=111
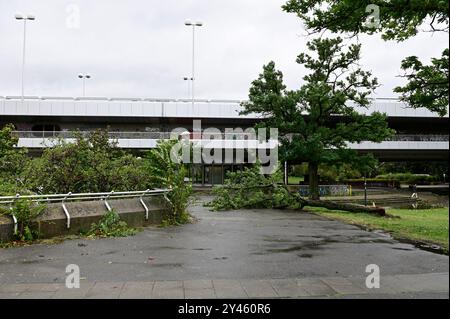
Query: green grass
x=429 y=225
x=293 y=180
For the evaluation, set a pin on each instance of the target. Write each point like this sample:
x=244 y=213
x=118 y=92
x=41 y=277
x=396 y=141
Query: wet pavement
x=238 y=245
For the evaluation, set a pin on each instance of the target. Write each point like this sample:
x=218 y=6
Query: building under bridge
x=137 y=124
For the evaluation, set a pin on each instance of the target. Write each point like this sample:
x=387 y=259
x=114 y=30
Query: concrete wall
x=53 y=221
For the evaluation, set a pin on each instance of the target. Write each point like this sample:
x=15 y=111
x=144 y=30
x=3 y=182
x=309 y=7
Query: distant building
x=138 y=124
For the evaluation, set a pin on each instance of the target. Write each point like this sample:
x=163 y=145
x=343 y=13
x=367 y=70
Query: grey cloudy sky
x=141 y=48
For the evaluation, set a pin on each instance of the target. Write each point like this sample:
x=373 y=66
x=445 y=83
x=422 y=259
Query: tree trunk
x=313 y=169
x=354 y=208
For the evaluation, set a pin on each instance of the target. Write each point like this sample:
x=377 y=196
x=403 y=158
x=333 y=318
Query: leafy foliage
x=436 y=169
x=335 y=86
x=427 y=84
x=26 y=212
x=330 y=173
x=91 y=164
x=167 y=173
x=12 y=161
x=398 y=20
x=111 y=226
x=408 y=178
x=251 y=189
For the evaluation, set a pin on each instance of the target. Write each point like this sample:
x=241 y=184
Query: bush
x=25 y=212
x=408 y=178
x=165 y=173
x=12 y=162
x=111 y=226
x=10 y=187
x=90 y=164
x=328 y=173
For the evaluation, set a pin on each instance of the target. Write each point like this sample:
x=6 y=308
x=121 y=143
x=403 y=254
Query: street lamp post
x=30 y=17
x=84 y=77
x=188 y=80
x=365 y=190
x=193 y=25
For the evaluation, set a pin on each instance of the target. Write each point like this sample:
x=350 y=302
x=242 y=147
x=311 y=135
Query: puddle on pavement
x=402 y=249
x=221 y=258
x=30 y=262
x=319 y=243
x=168 y=248
x=168 y=265
x=110 y=252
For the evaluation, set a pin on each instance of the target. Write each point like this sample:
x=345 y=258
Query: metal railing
x=128 y=135
x=419 y=138
x=69 y=197
x=73 y=134
x=167 y=135
x=117 y=99
x=147 y=99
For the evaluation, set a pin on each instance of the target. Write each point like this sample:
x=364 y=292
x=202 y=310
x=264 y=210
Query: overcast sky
x=141 y=48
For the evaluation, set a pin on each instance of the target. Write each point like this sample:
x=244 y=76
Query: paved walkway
x=239 y=254
x=424 y=286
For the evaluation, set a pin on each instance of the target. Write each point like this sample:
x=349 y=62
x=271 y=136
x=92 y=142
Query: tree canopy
x=428 y=85
x=397 y=19
x=317 y=121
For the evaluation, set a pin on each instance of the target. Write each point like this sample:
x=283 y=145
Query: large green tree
x=396 y=20
x=317 y=121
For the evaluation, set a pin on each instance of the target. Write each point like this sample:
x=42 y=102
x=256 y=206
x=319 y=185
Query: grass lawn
x=429 y=225
x=293 y=180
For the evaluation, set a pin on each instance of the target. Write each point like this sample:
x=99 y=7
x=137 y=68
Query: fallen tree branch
x=353 y=208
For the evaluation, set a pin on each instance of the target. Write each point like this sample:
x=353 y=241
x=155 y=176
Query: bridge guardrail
x=63 y=198
x=166 y=135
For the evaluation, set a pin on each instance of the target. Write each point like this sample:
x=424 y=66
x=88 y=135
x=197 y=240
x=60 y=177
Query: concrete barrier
x=53 y=221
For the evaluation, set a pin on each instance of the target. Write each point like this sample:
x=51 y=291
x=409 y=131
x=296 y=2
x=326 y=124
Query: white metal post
x=193 y=25
x=83 y=78
x=23 y=56
x=19 y=16
x=193 y=67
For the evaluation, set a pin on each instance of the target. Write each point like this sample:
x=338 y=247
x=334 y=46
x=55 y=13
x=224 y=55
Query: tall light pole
x=84 y=77
x=193 y=25
x=30 y=17
x=188 y=80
